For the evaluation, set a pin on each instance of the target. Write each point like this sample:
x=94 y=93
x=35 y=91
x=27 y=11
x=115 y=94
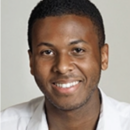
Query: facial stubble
x=92 y=87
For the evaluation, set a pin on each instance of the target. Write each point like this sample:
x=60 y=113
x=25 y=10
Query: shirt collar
x=109 y=118
x=38 y=120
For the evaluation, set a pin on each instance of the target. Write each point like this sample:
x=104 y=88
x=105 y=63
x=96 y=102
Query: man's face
x=66 y=60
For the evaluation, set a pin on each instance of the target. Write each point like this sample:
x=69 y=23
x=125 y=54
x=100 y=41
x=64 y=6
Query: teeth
x=68 y=85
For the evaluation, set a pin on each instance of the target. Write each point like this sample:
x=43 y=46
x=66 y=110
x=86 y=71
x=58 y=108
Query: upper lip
x=64 y=81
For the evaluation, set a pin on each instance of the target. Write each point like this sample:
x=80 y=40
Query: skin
x=65 y=49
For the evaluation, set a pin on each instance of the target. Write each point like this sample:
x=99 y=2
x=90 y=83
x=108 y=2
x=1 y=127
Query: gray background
x=17 y=83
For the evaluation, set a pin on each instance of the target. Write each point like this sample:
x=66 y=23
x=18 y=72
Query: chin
x=70 y=106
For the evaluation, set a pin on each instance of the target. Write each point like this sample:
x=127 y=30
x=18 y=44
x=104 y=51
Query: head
x=67 y=51
x=85 y=8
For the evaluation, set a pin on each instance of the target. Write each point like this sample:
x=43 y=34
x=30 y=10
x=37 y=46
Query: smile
x=67 y=85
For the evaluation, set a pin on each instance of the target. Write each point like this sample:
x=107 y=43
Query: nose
x=63 y=64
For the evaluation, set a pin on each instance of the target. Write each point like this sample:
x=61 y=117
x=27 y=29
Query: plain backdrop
x=17 y=83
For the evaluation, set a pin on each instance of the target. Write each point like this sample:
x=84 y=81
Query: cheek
x=89 y=66
x=42 y=73
x=41 y=68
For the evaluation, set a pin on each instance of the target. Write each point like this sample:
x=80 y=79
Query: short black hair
x=46 y=8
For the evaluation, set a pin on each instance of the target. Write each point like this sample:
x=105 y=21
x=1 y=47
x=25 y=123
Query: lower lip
x=66 y=90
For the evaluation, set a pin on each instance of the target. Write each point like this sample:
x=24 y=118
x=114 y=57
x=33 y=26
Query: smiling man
x=67 y=53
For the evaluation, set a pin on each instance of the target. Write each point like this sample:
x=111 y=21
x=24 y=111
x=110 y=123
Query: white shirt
x=31 y=115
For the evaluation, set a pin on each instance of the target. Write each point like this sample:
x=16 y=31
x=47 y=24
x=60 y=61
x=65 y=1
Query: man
x=67 y=53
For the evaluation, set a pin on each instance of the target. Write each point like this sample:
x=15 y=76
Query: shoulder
x=117 y=110
x=20 y=113
x=122 y=108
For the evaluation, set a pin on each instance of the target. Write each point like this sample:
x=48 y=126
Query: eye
x=47 y=52
x=78 y=50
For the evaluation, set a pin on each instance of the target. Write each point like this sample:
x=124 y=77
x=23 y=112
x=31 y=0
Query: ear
x=104 y=57
x=31 y=61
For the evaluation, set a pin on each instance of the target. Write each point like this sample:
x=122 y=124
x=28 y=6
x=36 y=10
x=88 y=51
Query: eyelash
x=46 y=51
x=78 y=51
x=75 y=51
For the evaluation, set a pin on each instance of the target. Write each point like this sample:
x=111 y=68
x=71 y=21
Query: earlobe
x=31 y=62
x=104 y=57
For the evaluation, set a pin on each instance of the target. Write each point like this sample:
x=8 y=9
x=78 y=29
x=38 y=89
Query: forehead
x=66 y=27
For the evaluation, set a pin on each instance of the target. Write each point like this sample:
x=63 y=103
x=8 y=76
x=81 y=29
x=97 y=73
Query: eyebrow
x=78 y=41
x=71 y=43
x=45 y=44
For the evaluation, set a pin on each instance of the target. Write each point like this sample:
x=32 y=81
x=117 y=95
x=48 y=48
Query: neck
x=85 y=117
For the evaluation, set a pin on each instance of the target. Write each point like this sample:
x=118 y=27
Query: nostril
x=63 y=65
